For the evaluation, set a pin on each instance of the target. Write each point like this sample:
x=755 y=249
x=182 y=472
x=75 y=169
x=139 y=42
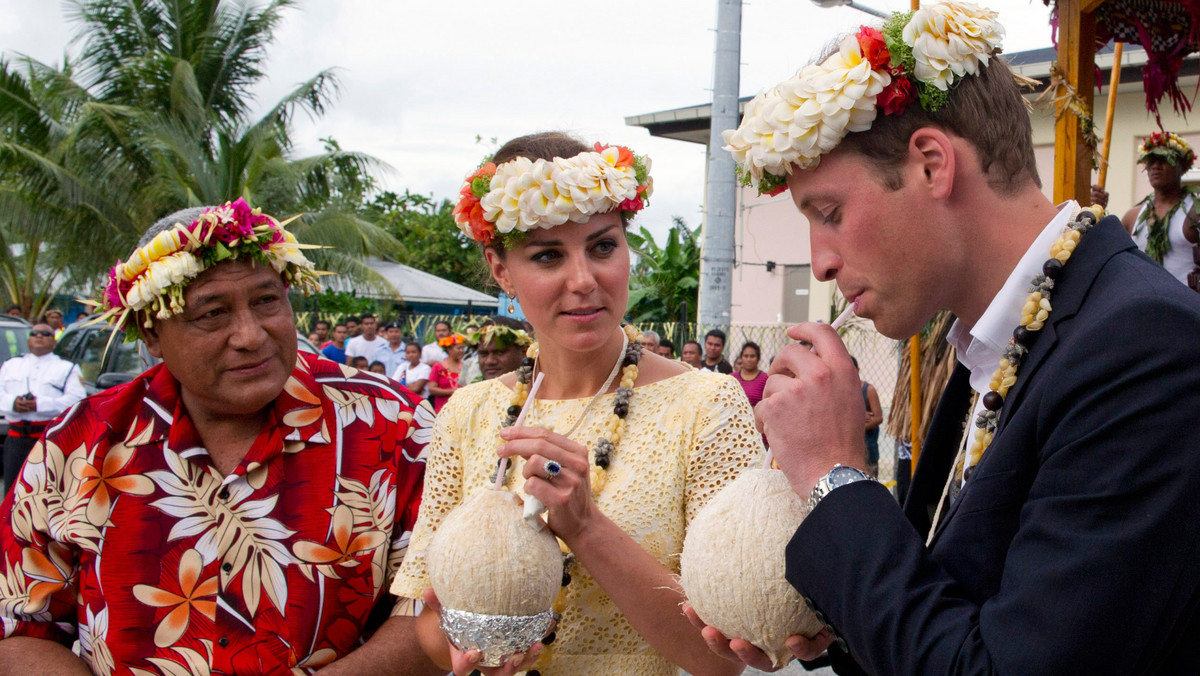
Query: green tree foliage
x=664 y=278
x=152 y=117
x=430 y=239
x=69 y=188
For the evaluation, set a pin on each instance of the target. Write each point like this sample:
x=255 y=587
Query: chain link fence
x=879 y=358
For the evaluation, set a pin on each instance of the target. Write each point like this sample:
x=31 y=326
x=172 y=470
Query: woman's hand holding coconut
x=567 y=494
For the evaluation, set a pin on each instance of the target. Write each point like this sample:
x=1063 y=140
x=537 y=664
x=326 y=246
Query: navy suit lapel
x=938 y=450
x=1106 y=239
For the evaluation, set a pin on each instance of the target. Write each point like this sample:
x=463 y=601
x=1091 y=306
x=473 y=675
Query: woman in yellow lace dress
x=623 y=464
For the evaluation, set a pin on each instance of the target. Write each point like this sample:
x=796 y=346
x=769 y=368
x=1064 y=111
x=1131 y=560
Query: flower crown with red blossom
x=918 y=56
x=155 y=276
x=1169 y=147
x=452 y=339
x=508 y=201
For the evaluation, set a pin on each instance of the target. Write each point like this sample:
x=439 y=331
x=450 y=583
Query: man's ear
x=499 y=270
x=149 y=336
x=932 y=152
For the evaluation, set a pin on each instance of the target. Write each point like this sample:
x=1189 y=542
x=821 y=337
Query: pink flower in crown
x=113 y=297
x=240 y=223
x=198 y=229
x=242 y=212
x=226 y=234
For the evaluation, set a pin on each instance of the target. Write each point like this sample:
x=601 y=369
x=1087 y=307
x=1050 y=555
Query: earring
x=512 y=308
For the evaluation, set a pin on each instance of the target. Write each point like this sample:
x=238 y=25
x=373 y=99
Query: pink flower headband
x=155 y=276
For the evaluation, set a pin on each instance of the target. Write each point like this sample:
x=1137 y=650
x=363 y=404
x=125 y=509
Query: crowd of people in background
x=452 y=358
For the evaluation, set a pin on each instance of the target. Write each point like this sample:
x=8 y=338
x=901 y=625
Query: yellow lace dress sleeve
x=724 y=434
x=685 y=438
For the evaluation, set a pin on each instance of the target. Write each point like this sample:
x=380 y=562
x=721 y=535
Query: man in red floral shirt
x=235 y=509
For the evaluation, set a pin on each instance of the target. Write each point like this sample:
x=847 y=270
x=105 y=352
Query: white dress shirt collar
x=980 y=347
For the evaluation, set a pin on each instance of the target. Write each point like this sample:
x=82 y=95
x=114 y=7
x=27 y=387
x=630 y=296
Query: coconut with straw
x=733 y=561
x=495 y=572
x=732 y=565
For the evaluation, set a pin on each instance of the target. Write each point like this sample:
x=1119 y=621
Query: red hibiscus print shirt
x=122 y=534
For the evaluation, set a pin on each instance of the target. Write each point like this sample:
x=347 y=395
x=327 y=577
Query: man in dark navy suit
x=1060 y=533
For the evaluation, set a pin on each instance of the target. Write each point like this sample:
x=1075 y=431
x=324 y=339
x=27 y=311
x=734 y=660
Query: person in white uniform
x=1164 y=223
x=37 y=388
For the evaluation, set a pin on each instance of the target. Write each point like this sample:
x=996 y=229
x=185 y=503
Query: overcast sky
x=422 y=79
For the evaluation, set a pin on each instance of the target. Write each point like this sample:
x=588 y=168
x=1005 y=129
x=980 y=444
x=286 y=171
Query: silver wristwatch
x=839 y=476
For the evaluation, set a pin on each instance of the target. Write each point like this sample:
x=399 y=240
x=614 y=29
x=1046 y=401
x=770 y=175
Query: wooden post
x=1113 y=84
x=914 y=358
x=1076 y=61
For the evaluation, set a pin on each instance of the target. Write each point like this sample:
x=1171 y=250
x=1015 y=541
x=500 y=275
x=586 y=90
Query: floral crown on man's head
x=918 y=56
x=502 y=337
x=1169 y=147
x=506 y=202
x=155 y=276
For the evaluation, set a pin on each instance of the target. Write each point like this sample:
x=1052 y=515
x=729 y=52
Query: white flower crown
x=917 y=56
x=523 y=194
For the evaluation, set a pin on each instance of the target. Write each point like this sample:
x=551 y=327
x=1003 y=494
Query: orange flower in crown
x=469 y=210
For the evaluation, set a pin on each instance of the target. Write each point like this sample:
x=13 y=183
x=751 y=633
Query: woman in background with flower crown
x=443 y=377
x=622 y=466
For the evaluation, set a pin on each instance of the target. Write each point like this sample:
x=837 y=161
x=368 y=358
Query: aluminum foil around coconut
x=732 y=565
x=496 y=576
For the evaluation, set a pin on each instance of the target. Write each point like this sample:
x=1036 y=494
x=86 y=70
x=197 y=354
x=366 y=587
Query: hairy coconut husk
x=732 y=565
x=485 y=558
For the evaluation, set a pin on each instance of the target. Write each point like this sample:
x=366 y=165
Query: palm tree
x=69 y=202
x=153 y=117
x=187 y=59
x=325 y=191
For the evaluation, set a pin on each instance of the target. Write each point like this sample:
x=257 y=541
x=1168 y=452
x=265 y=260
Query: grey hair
x=185 y=216
x=652 y=335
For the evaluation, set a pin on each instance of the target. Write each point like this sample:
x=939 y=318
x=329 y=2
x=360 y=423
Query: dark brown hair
x=986 y=110
x=545 y=145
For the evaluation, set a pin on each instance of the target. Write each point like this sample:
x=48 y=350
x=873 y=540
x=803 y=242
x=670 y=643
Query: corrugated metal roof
x=417 y=286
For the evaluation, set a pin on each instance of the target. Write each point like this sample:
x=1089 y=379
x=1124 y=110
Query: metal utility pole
x=716 y=259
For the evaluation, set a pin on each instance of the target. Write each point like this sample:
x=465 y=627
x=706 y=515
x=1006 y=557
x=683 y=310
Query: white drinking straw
x=503 y=467
x=837 y=324
x=841 y=319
